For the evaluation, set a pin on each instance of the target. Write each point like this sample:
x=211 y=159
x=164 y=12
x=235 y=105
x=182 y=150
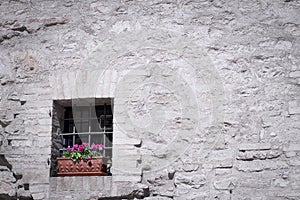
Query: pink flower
x=97 y=146
x=69 y=149
x=81 y=148
x=100 y=147
x=75 y=146
x=85 y=144
x=89 y=158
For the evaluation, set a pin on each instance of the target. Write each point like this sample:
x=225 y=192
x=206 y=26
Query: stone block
x=7 y=183
x=53 y=183
x=67 y=183
x=289 y=154
x=76 y=184
x=157 y=198
x=288 y=194
x=280 y=183
x=39 y=196
x=127 y=140
x=45 y=121
x=225 y=184
x=42 y=142
x=227 y=163
x=294 y=161
x=254 y=146
x=292 y=147
x=190 y=179
x=92 y=183
x=258 y=165
x=127 y=178
x=86 y=183
x=35 y=175
x=107 y=184
x=21 y=143
x=258 y=155
x=29 y=104
x=294 y=108
x=39 y=188
x=294 y=74
x=223 y=171
x=35 y=150
x=187 y=167
x=23 y=193
x=126 y=165
x=273 y=154
x=166 y=190
x=295 y=185
x=258 y=182
x=222 y=154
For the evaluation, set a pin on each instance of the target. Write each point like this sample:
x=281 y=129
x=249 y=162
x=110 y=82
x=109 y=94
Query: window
x=81 y=120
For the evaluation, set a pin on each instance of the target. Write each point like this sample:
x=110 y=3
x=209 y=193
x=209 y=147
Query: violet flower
x=69 y=149
x=81 y=148
x=75 y=146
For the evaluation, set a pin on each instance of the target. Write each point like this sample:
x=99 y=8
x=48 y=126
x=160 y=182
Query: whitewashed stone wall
x=206 y=96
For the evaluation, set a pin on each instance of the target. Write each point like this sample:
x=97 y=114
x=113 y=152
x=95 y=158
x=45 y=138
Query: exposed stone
x=227 y=184
x=227 y=163
x=273 y=154
x=223 y=171
x=273 y=134
x=294 y=107
x=254 y=147
x=295 y=74
x=190 y=167
x=290 y=154
x=5 y=122
x=257 y=166
x=38 y=196
x=158 y=198
x=258 y=155
x=292 y=147
x=54 y=21
x=195 y=181
x=295 y=161
x=11 y=185
x=13 y=97
x=281 y=183
x=7 y=183
x=250 y=182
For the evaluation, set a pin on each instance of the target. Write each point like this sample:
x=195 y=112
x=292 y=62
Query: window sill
x=81 y=184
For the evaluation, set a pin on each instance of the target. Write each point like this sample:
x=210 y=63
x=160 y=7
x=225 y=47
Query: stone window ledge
x=88 y=185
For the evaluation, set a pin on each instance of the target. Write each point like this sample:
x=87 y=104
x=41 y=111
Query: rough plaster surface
x=206 y=96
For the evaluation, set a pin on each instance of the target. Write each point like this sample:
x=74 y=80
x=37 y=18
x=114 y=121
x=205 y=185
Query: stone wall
x=206 y=96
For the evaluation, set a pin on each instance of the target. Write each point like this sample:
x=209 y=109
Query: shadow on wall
x=56 y=139
x=10 y=183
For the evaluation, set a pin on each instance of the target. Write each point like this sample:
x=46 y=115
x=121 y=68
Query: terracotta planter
x=94 y=167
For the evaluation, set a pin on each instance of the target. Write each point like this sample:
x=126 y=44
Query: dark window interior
x=92 y=124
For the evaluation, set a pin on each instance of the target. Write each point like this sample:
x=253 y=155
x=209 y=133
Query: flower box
x=93 y=167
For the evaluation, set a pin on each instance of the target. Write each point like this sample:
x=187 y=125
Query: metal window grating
x=92 y=124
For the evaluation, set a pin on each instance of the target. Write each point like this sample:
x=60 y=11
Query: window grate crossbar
x=87 y=133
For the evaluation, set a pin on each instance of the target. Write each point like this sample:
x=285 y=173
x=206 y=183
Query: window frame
x=105 y=131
